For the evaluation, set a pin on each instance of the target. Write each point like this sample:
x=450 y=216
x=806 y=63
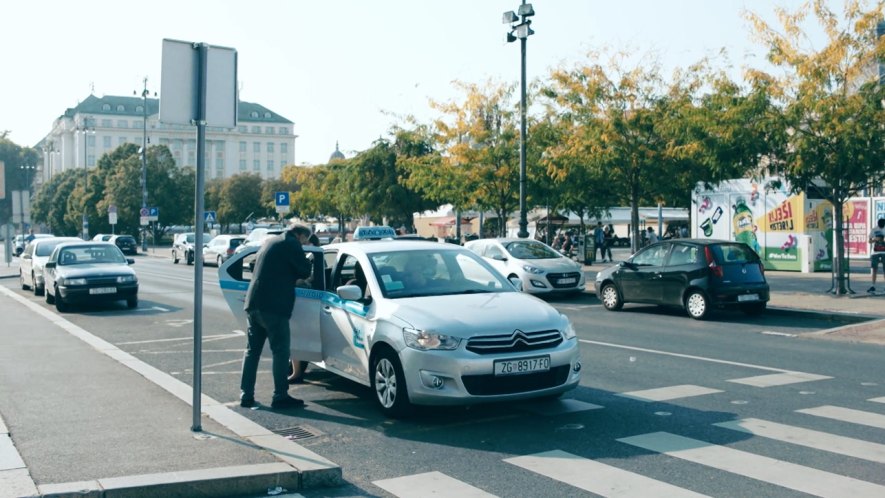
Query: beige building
x=263 y=141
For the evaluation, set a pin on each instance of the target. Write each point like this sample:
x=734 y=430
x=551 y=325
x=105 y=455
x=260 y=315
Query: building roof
x=126 y=106
x=337 y=154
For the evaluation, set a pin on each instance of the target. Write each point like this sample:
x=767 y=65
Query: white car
x=428 y=324
x=35 y=255
x=538 y=267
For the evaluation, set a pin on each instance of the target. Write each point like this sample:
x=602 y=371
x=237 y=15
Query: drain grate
x=298 y=432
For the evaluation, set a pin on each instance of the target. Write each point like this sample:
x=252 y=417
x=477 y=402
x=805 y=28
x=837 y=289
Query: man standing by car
x=269 y=303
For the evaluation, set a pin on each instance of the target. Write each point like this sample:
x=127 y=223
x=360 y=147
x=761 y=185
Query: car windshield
x=403 y=274
x=191 y=237
x=46 y=248
x=530 y=250
x=84 y=255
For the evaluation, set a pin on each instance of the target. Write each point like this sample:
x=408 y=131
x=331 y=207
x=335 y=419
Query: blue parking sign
x=281 y=198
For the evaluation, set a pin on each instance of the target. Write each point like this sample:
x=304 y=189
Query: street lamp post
x=84 y=129
x=520 y=29
x=26 y=194
x=144 y=142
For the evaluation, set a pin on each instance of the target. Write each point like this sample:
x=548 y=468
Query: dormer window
x=121 y=108
x=139 y=108
x=253 y=114
x=106 y=107
x=267 y=115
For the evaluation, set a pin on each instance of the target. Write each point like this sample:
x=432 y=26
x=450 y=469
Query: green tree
x=50 y=203
x=241 y=197
x=832 y=104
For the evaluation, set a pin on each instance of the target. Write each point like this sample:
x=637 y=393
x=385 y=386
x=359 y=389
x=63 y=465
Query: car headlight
x=126 y=279
x=532 y=269
x=423 y=340
x=569 y=332
x=73 y=281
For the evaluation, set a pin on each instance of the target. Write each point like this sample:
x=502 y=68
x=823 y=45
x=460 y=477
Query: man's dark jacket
x=280 y=264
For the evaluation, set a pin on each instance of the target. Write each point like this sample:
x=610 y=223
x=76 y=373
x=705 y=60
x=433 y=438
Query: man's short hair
x=881 y=222
x=297 y=229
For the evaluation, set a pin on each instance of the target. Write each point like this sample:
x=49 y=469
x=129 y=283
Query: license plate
x=522 y=366
x=103 y=290
x=563 y=281
x=748 y=297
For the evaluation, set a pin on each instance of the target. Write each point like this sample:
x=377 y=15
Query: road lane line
x=174 y=339
x=847 y=415
x=430 y=484
x=781 y=379
x=877 y=400
x=857 y=448
x=596 y=477
x=788 y=475
x=559 y=407
x=669 y=393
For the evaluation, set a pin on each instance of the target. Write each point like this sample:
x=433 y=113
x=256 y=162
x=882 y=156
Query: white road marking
x=789 y=475
x=687 y=356
x=179 y=339
x=779 y=334
x=229 y=362
x=430 y=484
x=847 y=415
x=558 y=407
x=780 y=379
x=669 y=393
x=818 y=440
x=596 y=477
x=877 y=400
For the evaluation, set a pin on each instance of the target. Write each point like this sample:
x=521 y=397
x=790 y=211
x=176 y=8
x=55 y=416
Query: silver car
x=422 y=323
x=35 y=255
x=538 y=267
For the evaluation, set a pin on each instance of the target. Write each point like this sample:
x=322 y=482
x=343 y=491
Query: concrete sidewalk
x=81 y=417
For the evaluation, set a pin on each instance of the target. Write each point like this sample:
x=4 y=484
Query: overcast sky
x=341 y=70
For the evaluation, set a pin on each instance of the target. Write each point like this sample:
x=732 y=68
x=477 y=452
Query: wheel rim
x=385 y=382
x=610 y=297
x=697 y=305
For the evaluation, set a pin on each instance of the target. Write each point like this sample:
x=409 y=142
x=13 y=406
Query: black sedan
x=89 y=272
x=696 y=274
x=126 y=243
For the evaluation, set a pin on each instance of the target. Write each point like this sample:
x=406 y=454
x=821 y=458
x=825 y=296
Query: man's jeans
x=274 y=328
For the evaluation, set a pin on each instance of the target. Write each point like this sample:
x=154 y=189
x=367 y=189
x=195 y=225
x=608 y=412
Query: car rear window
x=734 y=254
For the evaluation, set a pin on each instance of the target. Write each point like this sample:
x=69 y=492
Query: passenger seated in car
x=415 y=274
x=359 y=280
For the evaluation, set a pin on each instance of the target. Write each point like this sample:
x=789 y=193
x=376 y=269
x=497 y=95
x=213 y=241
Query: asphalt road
x=643 y=421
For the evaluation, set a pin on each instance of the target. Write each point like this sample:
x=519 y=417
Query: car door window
x=683 y=254
x=494 y=252
x=652 y=256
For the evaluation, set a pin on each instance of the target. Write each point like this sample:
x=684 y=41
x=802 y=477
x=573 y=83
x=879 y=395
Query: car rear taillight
x=761 y=268
x=229 y=251
x=715 y=269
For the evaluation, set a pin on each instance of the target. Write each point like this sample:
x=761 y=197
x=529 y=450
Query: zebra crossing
x=606 y=478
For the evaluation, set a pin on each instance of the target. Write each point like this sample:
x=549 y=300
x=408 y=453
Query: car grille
x=554 y=278
x=515 y=342
x=93 y=281
x=490 y=385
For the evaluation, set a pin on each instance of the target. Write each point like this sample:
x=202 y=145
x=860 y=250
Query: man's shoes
x=872 y=289
x=247 y=402
x=287 y=402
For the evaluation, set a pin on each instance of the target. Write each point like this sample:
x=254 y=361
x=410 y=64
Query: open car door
x=304 y=326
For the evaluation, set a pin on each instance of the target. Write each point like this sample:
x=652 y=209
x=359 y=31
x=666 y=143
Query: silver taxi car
x=422 y=323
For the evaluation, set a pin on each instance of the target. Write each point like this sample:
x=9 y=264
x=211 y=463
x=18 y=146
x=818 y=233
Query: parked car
x=539 y=268
x=89 y=272
x=255 y=238
x=220 y=248
x=696 y=274
x=102 y=237
x=126 y=243
x=20 y=241
x=35 y=255
x=422 y=323
x=183 y=246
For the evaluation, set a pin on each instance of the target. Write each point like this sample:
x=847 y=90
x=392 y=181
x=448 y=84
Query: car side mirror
x=627 y=264
x=26 y=256
x=350 y=292
x=499 y=257
x=130 y=261
x=49 y=264
x=516 y=283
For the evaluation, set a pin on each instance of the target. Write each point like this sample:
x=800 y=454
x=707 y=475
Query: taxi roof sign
x=374 y=233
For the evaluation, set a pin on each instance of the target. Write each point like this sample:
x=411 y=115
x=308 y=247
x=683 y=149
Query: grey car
x=89 y=272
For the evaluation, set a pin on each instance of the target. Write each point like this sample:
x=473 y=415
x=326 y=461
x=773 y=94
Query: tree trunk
x=634 y=216
x=840 y=265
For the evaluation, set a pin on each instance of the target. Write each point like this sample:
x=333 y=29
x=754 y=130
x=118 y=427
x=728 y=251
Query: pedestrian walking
x=609 y=235
x=599 y=239
x=652 y=237
x=270 y=300
x=877 y=253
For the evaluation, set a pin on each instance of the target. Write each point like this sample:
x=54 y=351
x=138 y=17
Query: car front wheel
x=132 y=302
x=389 y=384
x=610 y=298
x=697 y=305
x=21 y=279
x=60 y=304
x=50 y=298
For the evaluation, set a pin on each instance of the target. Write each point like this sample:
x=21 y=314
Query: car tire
x=611 y=298
x=174 y=257
x=189 y=258
x=218 y=261
x=38 y=291
x=50 y=298
x=389 y=384
x=753 y=309
x=697 y=305
x=132 y=302
x=21 y=280
x=61 y=305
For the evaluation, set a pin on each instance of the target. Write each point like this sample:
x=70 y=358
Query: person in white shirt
x=652 y=237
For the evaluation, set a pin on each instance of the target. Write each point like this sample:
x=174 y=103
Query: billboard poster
x=712 y=217
x=782 y=223
x=819 y=226
x=878 y=210
x=857 y=226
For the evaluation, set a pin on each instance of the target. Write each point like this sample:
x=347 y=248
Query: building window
x=90 y=140
x=253 y=114
x=121 y=108
x=122 y=123
x=219 y=166
x=270 y=165
x=256 y=147
x=106 y=107
x=106 y=123
x=242 y=165
x=284 y=149
x=139 y=108
x=90 y=160
x=121 y=141
x=242 y=129
x=138 y=123
x=106 y=142
x=242 y=147
x=270 y=147
x=191 y=158
x=269 y=130
x=256 y=129
x=284 y=130
x=256 y=165
x=266 y=115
